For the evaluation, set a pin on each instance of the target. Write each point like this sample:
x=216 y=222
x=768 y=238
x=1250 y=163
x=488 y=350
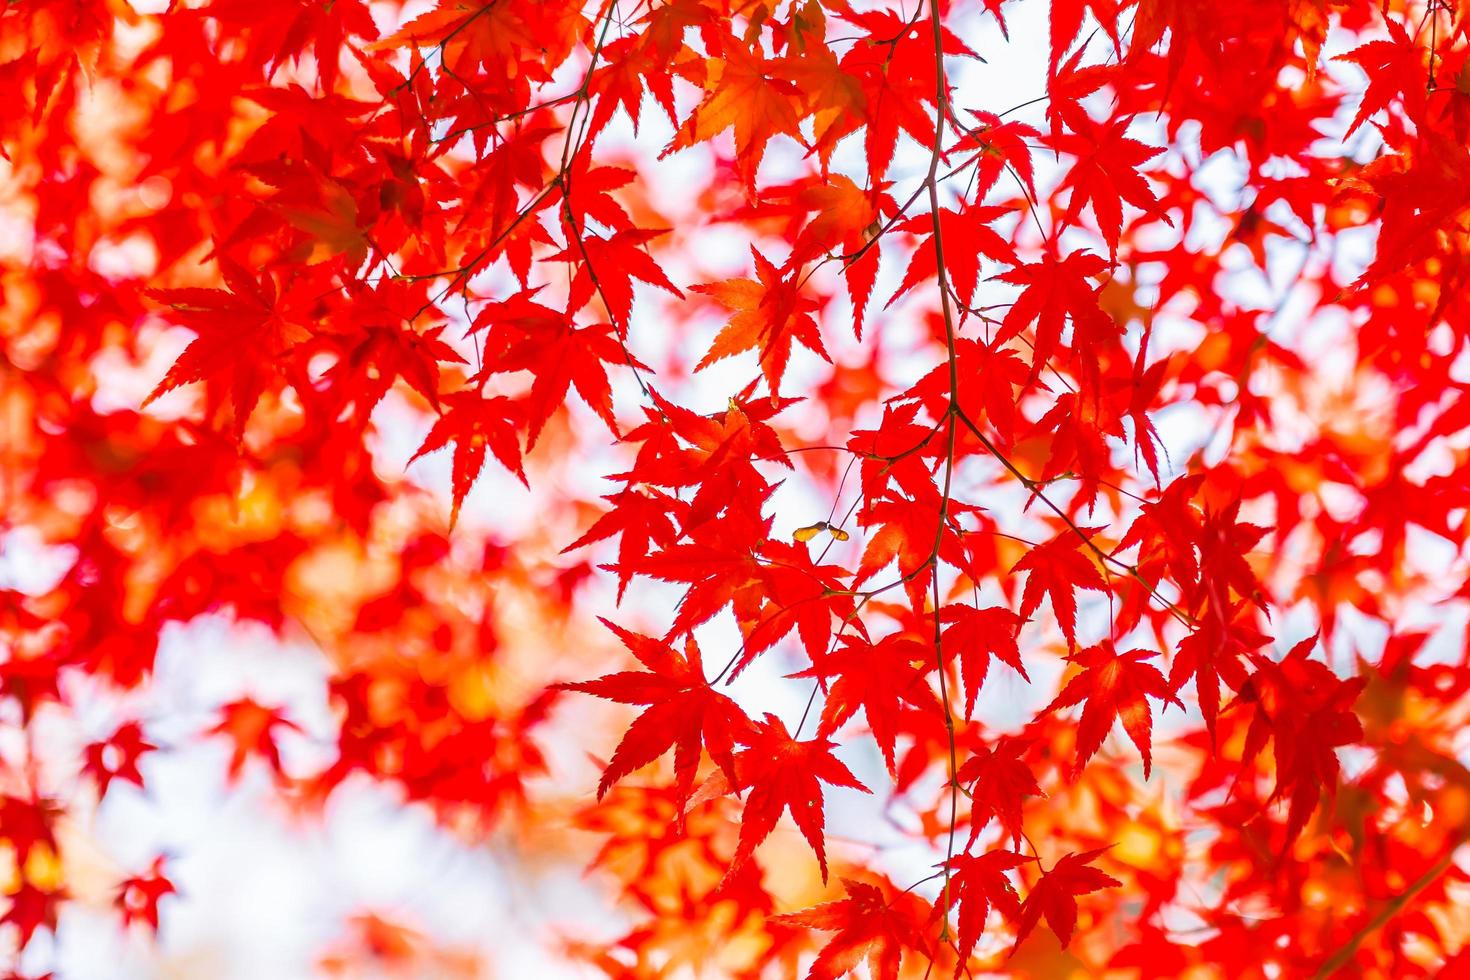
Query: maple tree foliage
x=969 y=528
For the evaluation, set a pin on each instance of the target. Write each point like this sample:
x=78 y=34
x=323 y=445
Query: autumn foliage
x=905 y=487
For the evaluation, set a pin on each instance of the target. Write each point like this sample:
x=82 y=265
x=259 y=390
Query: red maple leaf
x=116 y=757
x=643 y=517
x=1306 y=711
x=1003 y=148
x=771 y=315
x=374 y=355
x=523 y=335
x=871 y=926
x=32 y=907
x=967 y=236
x=746 y=94
x=242 y=334
x=607 y=267
x=878 y=678
x=986 y=392
x=251 y=726
x=785 y=774
x=1113 y=686
x=474 y=424
x=802 y=595
x=1055 y=895
x=29 y=824
x=1066 y=24
x=1395 y=67
x=1212 y=653
x=1057 y=569
x=999 y=781
x=684 y=712
x=1056 y=289
x=976 y=635
x=978 y=883
x=1106 y=173
x=138 y=896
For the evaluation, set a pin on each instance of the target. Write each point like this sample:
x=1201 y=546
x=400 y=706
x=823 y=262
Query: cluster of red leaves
x=308 y=227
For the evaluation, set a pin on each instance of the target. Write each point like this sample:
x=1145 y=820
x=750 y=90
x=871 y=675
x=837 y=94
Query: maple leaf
x=999 y=781
x=847 y=220
x=1167 y=530
x=635 y=63
x=801 y=595
x=474 y=423
x=251 y=726
x=1002 y=146
x=1393 y=66
x=1113 y=686
x=1224 y=543
x=1106 y=173
x=1056 y=289
x=742 y=92
x=720 y=568
x=138 y=896
x=870 y=927
x=975 y=635
x=1057 y=568
x=606 y=267
x=284 y=31
x=1420 y=197
x=642 y=517
x=977 y=883
x=374 y=356
x=523 y=335
x=785 y=774
x=515 y=163
x=684 y=712
x=895 y=71
x=912 y=533
x=587 y=189
x=1212 y=654
x=323 y=209
x=987 y=377
x=967 y=236
x=1066 y=86
x=28 y=825
x=1306 y=711
x=1194 y=28
x=770 y=315
x=715 y=453
x=1066 y=23
x=877 y=678
x=1055 y=895
x=518 y=43
x=895 y=453
x=844 y=214
x=32 y=907
x=116 y=757
x=241 y=334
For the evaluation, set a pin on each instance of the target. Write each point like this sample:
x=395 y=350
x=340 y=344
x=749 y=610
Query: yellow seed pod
x=805 y=534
